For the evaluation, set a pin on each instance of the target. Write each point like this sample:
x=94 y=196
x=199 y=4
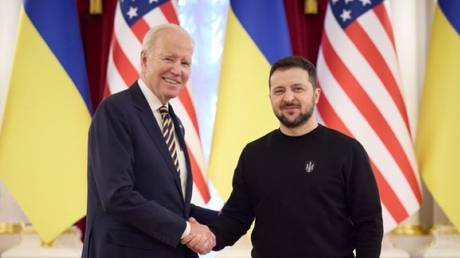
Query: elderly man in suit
x=139 y=175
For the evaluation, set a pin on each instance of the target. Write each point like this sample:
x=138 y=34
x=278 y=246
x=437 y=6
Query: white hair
x=151 y=35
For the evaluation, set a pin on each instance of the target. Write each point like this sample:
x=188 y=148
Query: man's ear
x=143 y=58
x=317 y=95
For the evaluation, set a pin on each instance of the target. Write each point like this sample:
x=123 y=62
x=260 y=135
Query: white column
x=10 y=213
x=407 y=30
x=406 y=27
x=9 y=13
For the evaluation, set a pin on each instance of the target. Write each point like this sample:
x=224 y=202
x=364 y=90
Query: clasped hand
x=200 y=239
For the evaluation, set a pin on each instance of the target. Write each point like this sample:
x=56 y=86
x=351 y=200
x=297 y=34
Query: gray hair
x=151 y=35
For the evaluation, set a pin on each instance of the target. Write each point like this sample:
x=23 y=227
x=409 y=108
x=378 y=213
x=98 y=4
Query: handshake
x=200 y=239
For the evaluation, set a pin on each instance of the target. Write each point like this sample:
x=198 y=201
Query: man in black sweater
x=309 y=188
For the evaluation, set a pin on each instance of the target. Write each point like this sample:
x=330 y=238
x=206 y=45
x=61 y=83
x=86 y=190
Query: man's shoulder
x=339 y=138
x=115 y=106
x=117 y=98
x=261 y=142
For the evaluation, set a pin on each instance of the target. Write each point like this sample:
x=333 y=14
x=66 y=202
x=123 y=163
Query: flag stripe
x=68 y=50
x=194 y=147
x=169 y=12
x=450 y=10
x=243 y=83
x=192 y=137
x=372 y=114
x=390 y=223
x=368 y=79
x=114 y=80
x=124 y=67
x=155 y=17
x=374 y=57
x=140 y=28
x=371 y=25
x=186 y=101
x=198 y=178
x=361 y=129
x=389 y=198
x=45 y=114
x=382 y=15
x=126 y=38
x=256 y=26
x=387 y=195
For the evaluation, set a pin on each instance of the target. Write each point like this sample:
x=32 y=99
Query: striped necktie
x=168 y=135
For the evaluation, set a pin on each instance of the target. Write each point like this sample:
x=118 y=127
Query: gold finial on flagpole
x=95 y=7
x=310 y=7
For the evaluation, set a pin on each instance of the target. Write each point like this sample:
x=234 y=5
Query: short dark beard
x=300 y=120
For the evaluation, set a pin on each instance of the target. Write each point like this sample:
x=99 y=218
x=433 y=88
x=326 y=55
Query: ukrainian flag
x=438 y=136
x=257 y=35
x=44 y=134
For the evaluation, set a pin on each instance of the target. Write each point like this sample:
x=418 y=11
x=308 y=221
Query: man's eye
x=298 y=89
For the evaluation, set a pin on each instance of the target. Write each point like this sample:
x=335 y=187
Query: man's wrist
x=187 y=230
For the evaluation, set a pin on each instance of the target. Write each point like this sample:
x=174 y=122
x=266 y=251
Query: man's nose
x=176 y=68
x=288 y=96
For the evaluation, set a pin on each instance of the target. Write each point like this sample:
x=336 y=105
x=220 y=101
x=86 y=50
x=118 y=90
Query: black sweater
x=311 y=196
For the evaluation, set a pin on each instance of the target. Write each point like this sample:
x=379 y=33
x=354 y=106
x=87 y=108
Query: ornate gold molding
x=409 y=230
x=29 y=229
x=23 y=229
x=11 y=228
x=443 y=230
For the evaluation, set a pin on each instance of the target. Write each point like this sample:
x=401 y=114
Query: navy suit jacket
x=135 y=203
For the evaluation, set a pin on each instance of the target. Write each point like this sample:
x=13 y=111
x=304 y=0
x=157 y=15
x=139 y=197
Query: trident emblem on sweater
x=309 y=166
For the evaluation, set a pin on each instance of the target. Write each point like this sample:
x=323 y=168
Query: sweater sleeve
x=237 y=215
x=364 y=204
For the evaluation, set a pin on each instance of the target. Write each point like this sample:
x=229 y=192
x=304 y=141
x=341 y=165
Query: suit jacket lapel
x=150 y=124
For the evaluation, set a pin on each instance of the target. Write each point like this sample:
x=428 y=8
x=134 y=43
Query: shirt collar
x=152 y=99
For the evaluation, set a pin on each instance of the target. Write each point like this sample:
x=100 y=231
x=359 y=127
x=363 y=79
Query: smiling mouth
x=171 y=81
x=290 y=107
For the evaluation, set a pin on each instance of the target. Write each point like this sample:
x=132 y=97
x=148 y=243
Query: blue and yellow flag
x=257 y=35
x=44 y=135
x=438 y=134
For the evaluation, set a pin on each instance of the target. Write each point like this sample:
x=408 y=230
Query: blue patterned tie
x=168 y=135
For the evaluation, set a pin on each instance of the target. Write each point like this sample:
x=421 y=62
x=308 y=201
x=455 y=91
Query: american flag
x=133 y=19
x=361 y=97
